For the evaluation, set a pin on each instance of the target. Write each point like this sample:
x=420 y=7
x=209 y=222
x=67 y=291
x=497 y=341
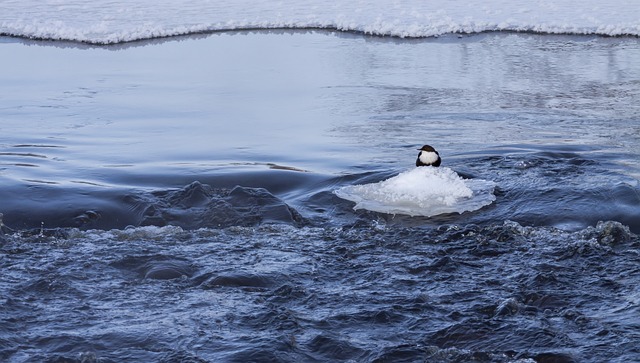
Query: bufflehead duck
x=428 y=156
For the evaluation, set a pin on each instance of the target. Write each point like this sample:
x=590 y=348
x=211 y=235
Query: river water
x=173 y=199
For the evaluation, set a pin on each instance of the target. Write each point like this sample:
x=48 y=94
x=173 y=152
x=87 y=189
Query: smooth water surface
x=543 y=113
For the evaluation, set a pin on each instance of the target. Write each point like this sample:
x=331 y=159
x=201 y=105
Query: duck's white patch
x=428 y=157
x=421 y=192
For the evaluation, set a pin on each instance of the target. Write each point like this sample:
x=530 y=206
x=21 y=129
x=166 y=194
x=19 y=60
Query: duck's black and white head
x=428 y=156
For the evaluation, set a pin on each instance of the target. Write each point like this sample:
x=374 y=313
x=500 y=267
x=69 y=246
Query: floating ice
x=423 y=191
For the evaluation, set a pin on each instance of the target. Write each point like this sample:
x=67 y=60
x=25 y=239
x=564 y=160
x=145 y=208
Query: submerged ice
x=422 y=191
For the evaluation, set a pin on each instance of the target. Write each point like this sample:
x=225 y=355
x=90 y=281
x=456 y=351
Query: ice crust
x=112 y=22
x=423 y=191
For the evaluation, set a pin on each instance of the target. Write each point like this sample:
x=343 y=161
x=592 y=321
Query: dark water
x=173 y=200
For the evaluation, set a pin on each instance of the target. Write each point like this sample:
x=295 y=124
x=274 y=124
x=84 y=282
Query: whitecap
x=423 y=191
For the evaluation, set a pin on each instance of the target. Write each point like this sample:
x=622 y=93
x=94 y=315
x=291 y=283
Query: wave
x=121 y=22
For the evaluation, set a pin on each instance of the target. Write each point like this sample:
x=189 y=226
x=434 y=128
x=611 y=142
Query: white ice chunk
x=422 y=191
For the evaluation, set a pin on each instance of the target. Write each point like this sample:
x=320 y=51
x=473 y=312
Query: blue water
x=172 y=200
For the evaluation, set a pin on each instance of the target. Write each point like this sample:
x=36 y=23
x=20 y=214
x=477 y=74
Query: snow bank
x=116 y=21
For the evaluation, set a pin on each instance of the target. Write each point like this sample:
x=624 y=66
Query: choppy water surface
x=173 y=200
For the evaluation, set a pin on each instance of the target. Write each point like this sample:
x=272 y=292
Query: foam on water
x=123 y=21
x=422 y=191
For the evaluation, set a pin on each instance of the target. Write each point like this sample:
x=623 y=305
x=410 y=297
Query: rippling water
x=361 y=292
x=173 y=200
